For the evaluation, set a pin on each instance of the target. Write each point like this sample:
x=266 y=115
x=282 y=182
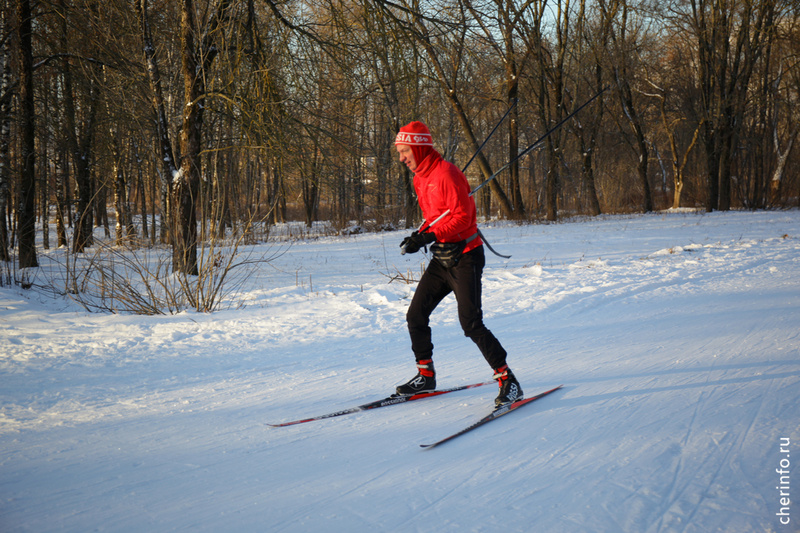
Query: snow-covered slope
x=676 y=337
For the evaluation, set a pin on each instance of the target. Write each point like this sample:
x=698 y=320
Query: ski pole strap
x=489 y=246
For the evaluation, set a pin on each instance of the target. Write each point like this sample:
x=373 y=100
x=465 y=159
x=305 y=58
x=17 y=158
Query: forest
x=172 y=122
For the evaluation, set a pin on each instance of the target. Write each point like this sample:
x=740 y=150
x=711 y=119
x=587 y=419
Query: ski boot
x=510 y=389
x=424 y=381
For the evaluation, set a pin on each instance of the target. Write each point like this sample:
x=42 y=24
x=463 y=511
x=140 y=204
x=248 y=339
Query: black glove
x=417 y=240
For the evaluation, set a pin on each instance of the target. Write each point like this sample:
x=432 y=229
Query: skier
x=457 y=265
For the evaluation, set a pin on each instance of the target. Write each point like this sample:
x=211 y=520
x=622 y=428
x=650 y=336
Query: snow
x=675 y=336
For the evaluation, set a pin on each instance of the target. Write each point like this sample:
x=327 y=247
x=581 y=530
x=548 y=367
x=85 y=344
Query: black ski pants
x=464 y=281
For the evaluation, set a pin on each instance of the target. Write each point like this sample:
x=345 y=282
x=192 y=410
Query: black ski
x=494 y=415
x=391 y=400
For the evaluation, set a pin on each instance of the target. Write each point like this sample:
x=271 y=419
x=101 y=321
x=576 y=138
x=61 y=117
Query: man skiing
x=442 y=189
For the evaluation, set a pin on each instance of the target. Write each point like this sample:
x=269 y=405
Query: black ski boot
x=510 y=389
x=424 y=381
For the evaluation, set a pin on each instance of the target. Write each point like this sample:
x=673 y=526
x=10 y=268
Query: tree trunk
x=5 y=129
x=588 y=176
x=626 y=98
x=512 y=94
x=62 y=206
x=727 y=54
x=310 y=187
x=122 y=225
x=587 y=137
x=196 y=60
x=780 y=166
x=81 y=155
x=166 y=155
x=80 y=147
x=27 y=182
x=185 y=182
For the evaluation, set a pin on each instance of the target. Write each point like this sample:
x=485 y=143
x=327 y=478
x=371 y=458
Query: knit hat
x=418 y=137
x=414 y=134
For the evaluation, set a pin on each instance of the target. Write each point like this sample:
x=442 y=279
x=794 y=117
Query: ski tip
x=545 y=393
x=497 y=413
x=554 y=389
x=285 y=424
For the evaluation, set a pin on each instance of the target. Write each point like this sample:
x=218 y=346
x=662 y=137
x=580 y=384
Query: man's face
x=407 y=156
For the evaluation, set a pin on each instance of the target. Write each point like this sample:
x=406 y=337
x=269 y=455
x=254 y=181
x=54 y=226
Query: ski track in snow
x=675 y=334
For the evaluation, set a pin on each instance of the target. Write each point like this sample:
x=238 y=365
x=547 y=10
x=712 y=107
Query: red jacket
x=440 y=186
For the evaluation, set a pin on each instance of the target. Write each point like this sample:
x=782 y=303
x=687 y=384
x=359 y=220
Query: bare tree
x=591 y=44
x=198 y=51
x=415 y=24
x=548 y=84
x=27 y=182
x=499 y=21
x=730 y=38
x=679 y=158
x=6 y=94
x=291 y=107
x=782 y=154
x=625 y=38
x=395 y=70
x=80 y=105
x=168 y=167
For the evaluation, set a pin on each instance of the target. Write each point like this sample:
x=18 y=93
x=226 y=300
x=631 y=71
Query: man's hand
x=416 y=241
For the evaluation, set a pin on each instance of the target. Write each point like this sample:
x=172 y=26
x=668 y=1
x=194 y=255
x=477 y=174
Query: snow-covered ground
x=676 y=336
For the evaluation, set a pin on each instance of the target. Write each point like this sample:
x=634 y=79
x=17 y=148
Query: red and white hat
x=414 y=134
x=418 y=137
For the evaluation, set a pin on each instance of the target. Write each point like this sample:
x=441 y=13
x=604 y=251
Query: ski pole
x=502 y=119
x=513 y=104
x=539 y=140
x=424 y=228
x=520 y=155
